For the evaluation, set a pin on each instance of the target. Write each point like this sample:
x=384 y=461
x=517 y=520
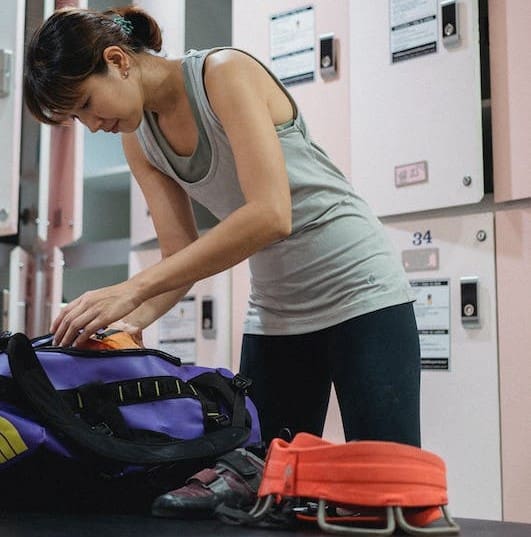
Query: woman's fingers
x=90 y=312
x=76 y=327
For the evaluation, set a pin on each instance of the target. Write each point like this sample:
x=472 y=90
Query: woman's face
x=110 y=102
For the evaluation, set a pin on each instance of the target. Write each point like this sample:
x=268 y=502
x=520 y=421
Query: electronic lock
x=327 y=56
x=450 y=22
x=470 y=301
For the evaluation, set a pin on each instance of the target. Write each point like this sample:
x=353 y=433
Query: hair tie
x=124 y=24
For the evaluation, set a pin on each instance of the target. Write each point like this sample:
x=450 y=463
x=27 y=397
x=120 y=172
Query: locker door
x=65 y=195
x=513 y=266
x=11 y=66
x=142 y=228
x=211 y=344
x=5 y=251
x=460 y=405
x=170 y=14
x=509 y=23
x=416 y=124
x=54 y=287
x=64 y=170
x=323 y=102
x=19 y=267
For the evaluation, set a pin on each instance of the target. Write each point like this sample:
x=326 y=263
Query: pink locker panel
x=510 y=64
x=65 y=190
x=65 y=194
x=324 y=104
x=513 y=263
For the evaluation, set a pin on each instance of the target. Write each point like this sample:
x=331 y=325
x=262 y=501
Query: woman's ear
x=115 y=57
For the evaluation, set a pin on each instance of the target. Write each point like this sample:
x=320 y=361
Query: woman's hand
x=92 y=311
x=129 y=328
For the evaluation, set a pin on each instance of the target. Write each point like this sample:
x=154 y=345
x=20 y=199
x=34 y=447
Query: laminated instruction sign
x=432 y=311
x=292 y=45
x=413 y=28
x=177 y=330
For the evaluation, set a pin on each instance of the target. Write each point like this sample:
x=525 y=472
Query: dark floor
x=49 y=525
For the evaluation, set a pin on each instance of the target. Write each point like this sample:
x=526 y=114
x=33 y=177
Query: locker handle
x=5 y=72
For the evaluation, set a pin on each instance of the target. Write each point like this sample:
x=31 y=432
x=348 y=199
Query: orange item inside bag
x=110 y=339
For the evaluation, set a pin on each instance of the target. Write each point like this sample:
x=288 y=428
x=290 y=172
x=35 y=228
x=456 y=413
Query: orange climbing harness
x=372 y=481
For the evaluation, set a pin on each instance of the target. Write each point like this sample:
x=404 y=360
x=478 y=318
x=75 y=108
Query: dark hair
x=68 y=48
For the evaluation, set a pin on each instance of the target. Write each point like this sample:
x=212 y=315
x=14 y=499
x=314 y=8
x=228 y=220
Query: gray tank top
x=336 y=264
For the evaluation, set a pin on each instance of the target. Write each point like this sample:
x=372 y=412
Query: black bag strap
x=44 y=399
x=231 y=396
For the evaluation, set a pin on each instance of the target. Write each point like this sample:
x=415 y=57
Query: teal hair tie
x=124 y=24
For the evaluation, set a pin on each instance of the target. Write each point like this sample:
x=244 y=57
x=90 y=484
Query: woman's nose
x=93 y=123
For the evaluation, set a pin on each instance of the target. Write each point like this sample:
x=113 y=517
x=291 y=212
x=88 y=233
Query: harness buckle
x=240 y=382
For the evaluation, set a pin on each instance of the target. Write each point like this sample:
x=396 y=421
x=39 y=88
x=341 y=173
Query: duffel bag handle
x=44 y=399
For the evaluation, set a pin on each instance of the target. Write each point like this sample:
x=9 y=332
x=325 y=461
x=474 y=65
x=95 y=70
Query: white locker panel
x=460 y=406
x=19 y=267
x=5 y=251
x=11 y=68
x=210 y=351
x=416 y=122
x=142 y=228
x=54 y=286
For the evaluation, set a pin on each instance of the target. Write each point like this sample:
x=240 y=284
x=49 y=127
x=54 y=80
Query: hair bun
x=145 y=30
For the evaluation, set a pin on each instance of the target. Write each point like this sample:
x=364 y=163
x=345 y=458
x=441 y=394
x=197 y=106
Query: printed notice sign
x=432 y=311
x=177 y=330
x=292 y=45
x=413 y=28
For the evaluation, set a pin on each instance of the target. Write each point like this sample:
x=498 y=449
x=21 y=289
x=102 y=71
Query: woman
x=329 y=300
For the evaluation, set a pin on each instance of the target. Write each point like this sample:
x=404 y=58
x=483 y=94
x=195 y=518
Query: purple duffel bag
x=135 y=417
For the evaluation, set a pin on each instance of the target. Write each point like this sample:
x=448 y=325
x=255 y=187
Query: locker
x=170 y=15
x=211 y=347
x=509 y=22
x=11 y=68
x=416 y=109
x=19 y=292
x=65 y=190
x=15 y=288
x=513 y=266
x=61 y=171
x=324 y=102
x=54 y=287
x=459 y=405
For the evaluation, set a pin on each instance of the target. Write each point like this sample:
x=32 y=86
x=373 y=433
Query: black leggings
x=373 y=361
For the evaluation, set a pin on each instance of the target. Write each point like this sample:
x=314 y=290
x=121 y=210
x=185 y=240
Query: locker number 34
x=422 y=237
